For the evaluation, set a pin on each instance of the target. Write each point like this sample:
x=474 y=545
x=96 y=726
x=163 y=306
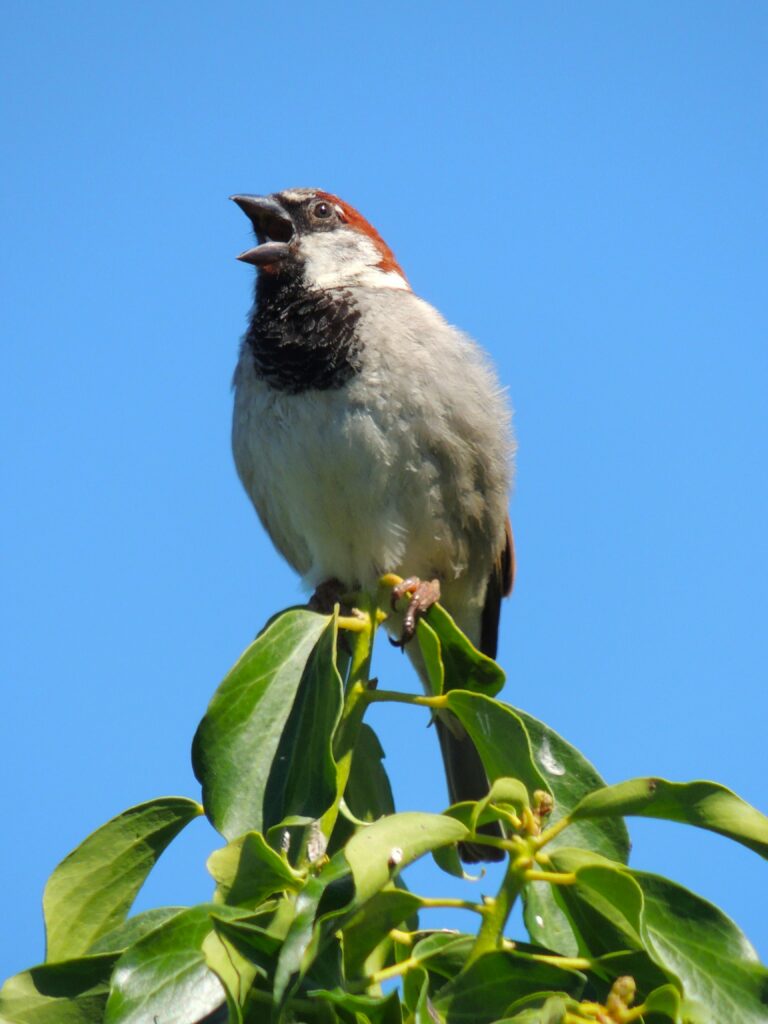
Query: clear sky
x=582 y=187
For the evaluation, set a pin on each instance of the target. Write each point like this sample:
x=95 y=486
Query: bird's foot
x=423 y=594
x=327 y=595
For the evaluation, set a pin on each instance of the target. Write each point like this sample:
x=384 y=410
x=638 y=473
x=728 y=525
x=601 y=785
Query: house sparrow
x=371 y=436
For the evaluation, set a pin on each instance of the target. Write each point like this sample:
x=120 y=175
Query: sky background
x=580 y=187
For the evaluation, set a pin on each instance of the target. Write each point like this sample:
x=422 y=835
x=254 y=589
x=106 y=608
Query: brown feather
x=500 y=584
x=464 y=769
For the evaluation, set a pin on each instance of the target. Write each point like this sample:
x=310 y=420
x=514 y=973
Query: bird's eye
x=322 y=210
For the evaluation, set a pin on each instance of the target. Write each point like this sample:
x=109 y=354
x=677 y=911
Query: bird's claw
x=423 y=594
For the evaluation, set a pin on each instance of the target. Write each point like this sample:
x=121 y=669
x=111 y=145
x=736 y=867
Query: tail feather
x=464 y=771
x=467 y=778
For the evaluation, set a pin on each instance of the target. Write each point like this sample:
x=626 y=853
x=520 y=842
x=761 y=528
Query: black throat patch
x=303 y=340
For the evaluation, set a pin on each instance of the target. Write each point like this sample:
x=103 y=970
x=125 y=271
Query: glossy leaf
x=303 y=776
x=301 y=940
x=604 y=905
x=368 y=794
x=500 y=737
x=684 y=938
x=505 y=796
x=69 y=992
x=453 y=663
x=542 y=1008
x=432 y=657
x=250 y=937
x=235 y=971
x=443 y=953
x=448 y=860
x=247 y=870
x=370 y=926
x=704 y=804
x=605 y=909
x=570 y=777
x=238 y=739
x=481 y=994
x=712 y=958
x=665 y=1003
x=133 y=929
x=167 y=975
x=417 y=999
x=373 y=1009
x=299 y=937
x=379 y=852
x=92 y=889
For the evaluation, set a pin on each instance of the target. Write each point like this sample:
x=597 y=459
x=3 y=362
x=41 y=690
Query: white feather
x=405 y=469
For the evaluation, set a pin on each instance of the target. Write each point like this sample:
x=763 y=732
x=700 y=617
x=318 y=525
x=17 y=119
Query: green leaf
x=251 y=940
x=235 y=971
x=664 y=1001
x=707 y=952
x=376 y=1009
x=541 y=1008
x=684 y=938
x=481 y=994
x=500 y=737
x=368 y=794
x=236 y=743
x=303 y=776
x=505 y=796
x=166 y=976
x=379 y=852
x=444 y=953
x=68 y=992
x=448 y=860
x=133 y=929
x=604 y=905
x=92 y=889
x=605 y=910
x=429 y=646
x=452 y=663
x=370 y=926
x=704 y=804
x=570 y=777
x=416 y=998
x=248 y=870
x=301 y=941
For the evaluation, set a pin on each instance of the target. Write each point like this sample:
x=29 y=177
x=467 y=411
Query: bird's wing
x=499 y=586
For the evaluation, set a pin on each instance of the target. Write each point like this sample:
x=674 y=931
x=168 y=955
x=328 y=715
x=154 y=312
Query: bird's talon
x=424 y=593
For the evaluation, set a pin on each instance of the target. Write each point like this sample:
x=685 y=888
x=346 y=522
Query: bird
x=372 y=436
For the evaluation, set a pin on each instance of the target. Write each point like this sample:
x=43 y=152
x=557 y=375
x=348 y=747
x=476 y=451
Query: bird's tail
x=467 y=779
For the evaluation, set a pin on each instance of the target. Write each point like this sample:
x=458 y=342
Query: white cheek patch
x=334 y=258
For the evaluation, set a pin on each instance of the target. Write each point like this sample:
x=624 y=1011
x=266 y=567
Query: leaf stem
x=355 y=703
x=553 y=877
x=451 y=904
x=497 y=911
x=352 y=623
x=549 y=833
x=568 y=963
x=396 y=697
x=386 y=973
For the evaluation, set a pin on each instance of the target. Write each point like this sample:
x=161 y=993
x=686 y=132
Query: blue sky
x=581 y=187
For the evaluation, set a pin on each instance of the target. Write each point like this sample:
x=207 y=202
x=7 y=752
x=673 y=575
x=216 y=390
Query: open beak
x=273 y=228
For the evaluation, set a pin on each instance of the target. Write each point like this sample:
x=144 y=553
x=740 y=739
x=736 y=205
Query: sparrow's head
x=315 y=236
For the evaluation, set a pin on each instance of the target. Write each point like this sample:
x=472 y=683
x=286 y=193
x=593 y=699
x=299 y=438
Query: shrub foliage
x=310 y=919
